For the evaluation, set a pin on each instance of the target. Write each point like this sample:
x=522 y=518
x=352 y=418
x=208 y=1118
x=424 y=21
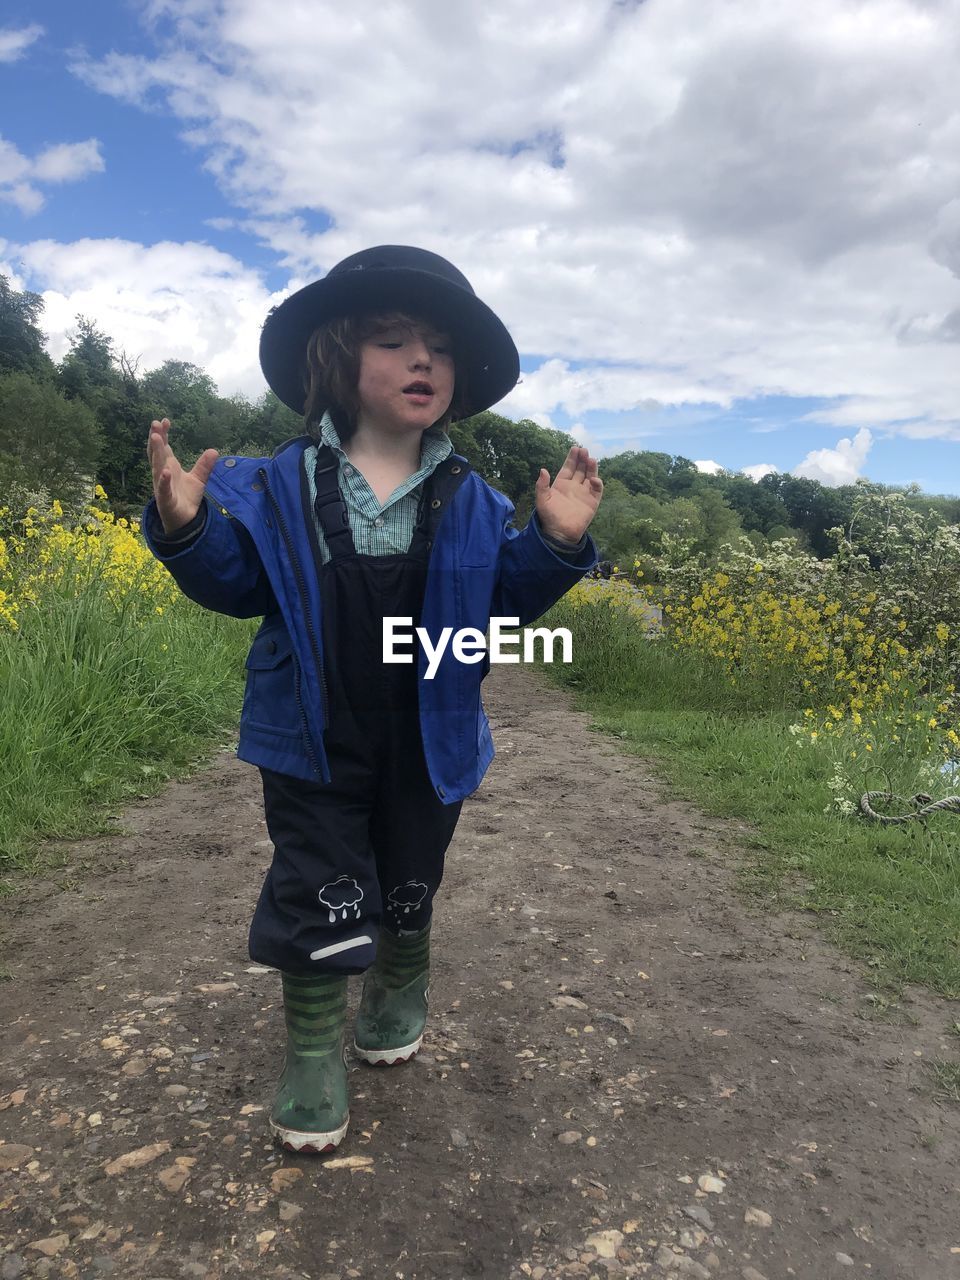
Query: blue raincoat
x=257 y=554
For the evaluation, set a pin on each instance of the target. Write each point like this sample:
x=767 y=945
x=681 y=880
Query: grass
x=887 y=895
x=946 y=1076
x=100 y=705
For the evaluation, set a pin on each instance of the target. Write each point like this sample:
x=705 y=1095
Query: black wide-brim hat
x=386 y=278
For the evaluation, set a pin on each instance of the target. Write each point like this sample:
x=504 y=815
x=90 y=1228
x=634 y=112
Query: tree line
x=66 y=424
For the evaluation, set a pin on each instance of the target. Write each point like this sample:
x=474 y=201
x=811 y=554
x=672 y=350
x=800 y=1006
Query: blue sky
x=154 y=186
x=729 y=233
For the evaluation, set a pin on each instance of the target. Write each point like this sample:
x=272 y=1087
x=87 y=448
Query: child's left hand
x=566 y=507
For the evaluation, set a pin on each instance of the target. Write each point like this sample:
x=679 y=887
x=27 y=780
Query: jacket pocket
x=269 y=699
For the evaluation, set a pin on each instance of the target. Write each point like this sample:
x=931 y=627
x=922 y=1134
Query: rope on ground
x=923 y=804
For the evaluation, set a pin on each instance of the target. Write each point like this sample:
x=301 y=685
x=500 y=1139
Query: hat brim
x=488 y=364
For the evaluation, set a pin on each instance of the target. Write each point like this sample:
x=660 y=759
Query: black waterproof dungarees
x=366 y=850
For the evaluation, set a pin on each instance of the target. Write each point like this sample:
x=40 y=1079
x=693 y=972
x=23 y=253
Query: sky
x=725 y=230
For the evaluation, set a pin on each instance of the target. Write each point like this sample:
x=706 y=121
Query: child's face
x=406 y=377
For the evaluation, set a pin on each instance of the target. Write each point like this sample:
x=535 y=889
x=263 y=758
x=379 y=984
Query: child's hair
x=333 y=370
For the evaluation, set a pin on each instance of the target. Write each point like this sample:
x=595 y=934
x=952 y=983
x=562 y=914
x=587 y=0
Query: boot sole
x=388 y=1057
x=309 y=1144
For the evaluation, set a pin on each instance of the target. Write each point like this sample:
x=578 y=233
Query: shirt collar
x=435 y=444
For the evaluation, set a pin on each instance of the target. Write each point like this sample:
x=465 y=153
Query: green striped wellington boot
x=311 y=1112
x=393 y=1007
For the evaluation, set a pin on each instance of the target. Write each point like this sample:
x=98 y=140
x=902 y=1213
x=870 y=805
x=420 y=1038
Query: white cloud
x=758 y=470
x=14 y=41
x=841 y=465
x=64 y=162
x=670 y=203
x=588 y=440
x=21 y=194
x=14 y=186
x=708 y=467
x=68 y=161
x=159 y=302
x=555 y=384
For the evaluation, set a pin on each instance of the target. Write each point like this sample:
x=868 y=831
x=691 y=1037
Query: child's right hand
x=178 y=492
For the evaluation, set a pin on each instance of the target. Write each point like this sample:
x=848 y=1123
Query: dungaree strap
x=334 y=520
x=330 y=508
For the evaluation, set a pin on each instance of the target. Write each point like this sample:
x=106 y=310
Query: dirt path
x=609 y=1024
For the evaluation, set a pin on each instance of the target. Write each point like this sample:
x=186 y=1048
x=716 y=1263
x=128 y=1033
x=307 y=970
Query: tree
x=88 y=371
x=202 y=419
x=124 y=471
x=509 y=454
x=187 y=396
x=21 y=340
x=46 y=441
x=619 y=528
x=646 y=472
x=758 y=507
x=812 y=507
x=720 y=522
x=945 y=506
x=229 y=422
x=269 y=425
x=683 y=476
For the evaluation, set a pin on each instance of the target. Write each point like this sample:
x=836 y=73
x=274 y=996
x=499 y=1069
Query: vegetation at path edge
x=112 y=680
x=780 y=689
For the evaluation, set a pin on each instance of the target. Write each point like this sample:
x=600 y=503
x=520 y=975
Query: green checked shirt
x=377 y=530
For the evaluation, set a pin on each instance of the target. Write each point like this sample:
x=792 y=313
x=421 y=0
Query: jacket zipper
x=311 y=635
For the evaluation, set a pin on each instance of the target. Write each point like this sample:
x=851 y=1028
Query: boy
x=369 y=516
